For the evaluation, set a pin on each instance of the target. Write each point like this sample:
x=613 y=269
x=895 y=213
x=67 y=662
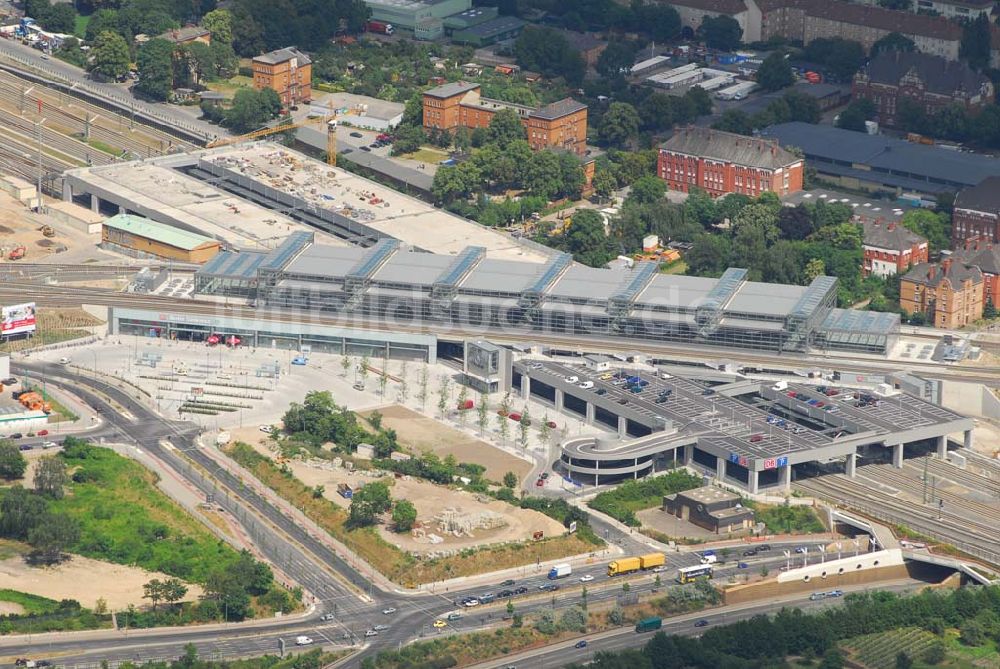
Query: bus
x=692 y=574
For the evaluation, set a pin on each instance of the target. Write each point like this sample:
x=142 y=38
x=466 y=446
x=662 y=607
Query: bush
x=622 y=502
x=574 y=619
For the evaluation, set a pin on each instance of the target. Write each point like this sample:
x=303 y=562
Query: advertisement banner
x=17 y=319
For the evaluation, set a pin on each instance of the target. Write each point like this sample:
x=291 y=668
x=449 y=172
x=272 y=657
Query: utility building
x=142 y=238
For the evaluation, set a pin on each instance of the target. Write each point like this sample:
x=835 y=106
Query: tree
x=586 y=238
x=51 y=477
x=775 y=73
x=219 y=22
x=252 y=109
x=547 y=51
x=224 y=587
x=735 y=120
x=935 y=653
x=544 y=431
x=53 y=535
x=153 y=591
x=709 y=255
x=936 y=227
x=832 y=659
x=721 y=32
x=975 y=44
x=110 y=56
x=795 y=223
x=404 y=515
x=989 y=309
x=620 y=124
x=574 y=619
x=814 y=268
x=20 y=512
x=444 y=391
x=522 y=427
x=505 y=127
x=12 y=463
x=510 y=608
x=855 y=115
x=422 y=394
x=648 y=189
x=510 y=480
x=604 y=184
x=200 y=60
x=482 y=412
x=156 y=72
x=368 y=503
x=893 y=42
x=903 y=661
x=842 y=57
x=616 y=60
x=972 y=633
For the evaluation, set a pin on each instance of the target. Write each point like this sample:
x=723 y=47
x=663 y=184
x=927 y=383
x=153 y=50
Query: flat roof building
x=407 y=14
x=489 y=32
x=141 y=237
x=711 y=508
x=860 y=161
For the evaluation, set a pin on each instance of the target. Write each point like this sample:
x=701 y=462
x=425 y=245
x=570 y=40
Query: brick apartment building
x=949 y=294
x=560 y=125
x=890 y=249
x=985 y=256
x=976 y=215
x=723 y=162
x=288 y=72
x=931 y=82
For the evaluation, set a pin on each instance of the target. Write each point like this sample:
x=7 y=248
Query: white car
x=302 y=641
x=572 y=379
x=371 y=633
x=266 y=429
x=388 y=611
x=49 y=444
x=587 y=385
x=472 y=602
x=587 y=579
x=63 y=361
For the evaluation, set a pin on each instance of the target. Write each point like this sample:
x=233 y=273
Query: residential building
x=562 y=124
x=949 y=294
x=890 y=249
x=711 y=508
x=951 y=9
x=744 y=12
x=930 y=82
x=187 y=34
x=288 y=72
x=985 y=256
x=976 y=215
x=589 y=47
x=876 y=163
x=723 y=162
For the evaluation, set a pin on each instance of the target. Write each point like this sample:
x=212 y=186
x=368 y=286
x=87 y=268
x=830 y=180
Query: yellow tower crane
x=331 y=135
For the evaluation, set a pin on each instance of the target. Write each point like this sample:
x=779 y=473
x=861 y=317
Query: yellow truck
x=629 y=565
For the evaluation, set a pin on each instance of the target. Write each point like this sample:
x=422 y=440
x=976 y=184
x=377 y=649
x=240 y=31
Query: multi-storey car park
x=750 y=433
x=474 y=294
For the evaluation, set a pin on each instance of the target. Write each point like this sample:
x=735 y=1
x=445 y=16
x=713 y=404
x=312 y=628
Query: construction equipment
x=17 y=253
x=48 y=231
x=34 y=401
x=331 y=135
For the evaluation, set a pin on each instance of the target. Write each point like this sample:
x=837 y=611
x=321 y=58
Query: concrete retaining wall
x=973 y=399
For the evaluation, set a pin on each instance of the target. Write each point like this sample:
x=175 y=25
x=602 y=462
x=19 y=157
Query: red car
x=42 y=433
x=551 y=424
x=514 y=416
x=540 y=482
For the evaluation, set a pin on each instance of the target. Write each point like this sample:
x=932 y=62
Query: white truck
x=560 y=571
x=709 y=559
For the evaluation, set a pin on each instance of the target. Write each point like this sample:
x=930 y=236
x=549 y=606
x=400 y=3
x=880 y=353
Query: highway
x=58 y=296
x=337 y=586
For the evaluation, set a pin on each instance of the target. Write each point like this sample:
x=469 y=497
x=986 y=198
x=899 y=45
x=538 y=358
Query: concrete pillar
x=67 y=193
x=942 y=447
x=591 y=413
x=753 y=483
x=95 y=203
x=622 y=427
x=525 y=387
x=559 y=400
x=720 y=469
x=968 y=439
x=850 y=467
x=786 y=477
x=897 y=456
x=688 y=454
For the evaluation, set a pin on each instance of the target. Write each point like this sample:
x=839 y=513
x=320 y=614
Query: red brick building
x=976 y=215
x=890 y=249
x=288 y=72
x=985 y=256
x=723 y=162
x=950 y=295
x=560 y=125
x=930 y=82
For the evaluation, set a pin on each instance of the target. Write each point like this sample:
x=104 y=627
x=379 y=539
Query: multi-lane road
x=336 y=585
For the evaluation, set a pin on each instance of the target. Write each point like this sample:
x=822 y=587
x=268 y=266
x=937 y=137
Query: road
x=337 y=586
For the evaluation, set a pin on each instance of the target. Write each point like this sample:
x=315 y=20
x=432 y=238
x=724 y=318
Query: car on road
x=380 y=628
x=472 y=602
x=539 y=483
x=835 y=593
x=544 y=476
x=356 y=134
x=509 y=581
x=16 y=435
x=586 y=385
x=326 y=617
x=548 y=587
x=371 y=633
x=64 y=361
x=303 y=641
x=266 y=429
x=601 y=391
x=25 y=447
x=587 y=578
x=454 y=616
x=817 y=596
x=582 y=643
x=743 y=565
x=367 y=148
x=800 y=550
x=440 y=623
x=49 y=444
x=701 y=623
x=42 y=433
x=763 y=548
x=388 y=611
x=521 y=590
x=504 y=594
x=750 y=553
x=572 y=379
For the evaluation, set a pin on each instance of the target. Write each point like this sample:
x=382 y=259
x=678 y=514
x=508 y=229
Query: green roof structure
x=164 y=234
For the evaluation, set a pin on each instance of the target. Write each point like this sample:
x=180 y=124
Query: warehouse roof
x=889 y=159
x=984 y=196
x=729 y=147
x=165 y=234
x=497 y=26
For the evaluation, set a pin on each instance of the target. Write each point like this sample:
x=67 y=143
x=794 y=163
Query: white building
x=359 y=111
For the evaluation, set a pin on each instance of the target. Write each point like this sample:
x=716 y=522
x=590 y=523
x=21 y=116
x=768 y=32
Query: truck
x=379 y=27
x=651 y=560
x=560 y=571
x=649 y=624
x=345 y=491
x=709 y=559
x=624 y=566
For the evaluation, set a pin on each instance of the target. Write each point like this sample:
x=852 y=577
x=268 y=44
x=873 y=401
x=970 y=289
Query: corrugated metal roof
x=164 y=234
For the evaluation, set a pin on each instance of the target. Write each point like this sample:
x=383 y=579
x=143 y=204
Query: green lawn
x=622 y=502
x=228 y=87
x=676 y=267
x=125 y=519
x=426 y=155
x=80 y=29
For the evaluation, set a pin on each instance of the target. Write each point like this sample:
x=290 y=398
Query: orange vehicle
x=17 y=253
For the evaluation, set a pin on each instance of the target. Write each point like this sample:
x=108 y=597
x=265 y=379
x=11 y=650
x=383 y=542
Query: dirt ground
x=420 y=433
x=985 y=438
x=19 y=226
x=9 y=608
x=431 y=500
x=84 y=580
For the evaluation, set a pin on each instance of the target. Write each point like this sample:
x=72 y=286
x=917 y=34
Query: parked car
x=10 y=381
x=16 y=435
x=388 y=611
x=366 y=148
x=49 y=444
x=750 y=553
x=266 y=429
x=743 y=565
x=356 y=134
x=380 y=628
x=545 y=477
x=521 y=590
x=326 y=617
x=539 y=483
x=371 y=633
x=42 y=433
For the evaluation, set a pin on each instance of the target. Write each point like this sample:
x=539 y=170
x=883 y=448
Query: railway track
x=962 y=477
x=839 y=489
x=984 y=463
